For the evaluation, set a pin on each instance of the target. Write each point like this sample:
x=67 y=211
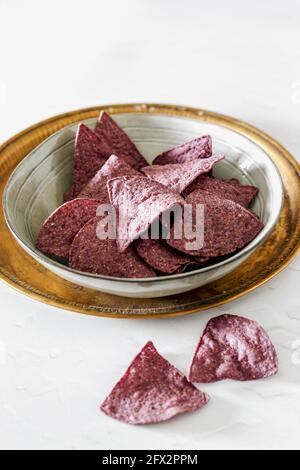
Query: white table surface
x=233 y=57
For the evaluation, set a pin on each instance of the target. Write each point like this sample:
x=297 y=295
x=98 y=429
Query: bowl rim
x=45 y=260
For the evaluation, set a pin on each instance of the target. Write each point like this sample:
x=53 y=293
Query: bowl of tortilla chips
x=143 y=205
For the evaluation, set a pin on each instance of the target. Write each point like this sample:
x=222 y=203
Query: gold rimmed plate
x=29 y=277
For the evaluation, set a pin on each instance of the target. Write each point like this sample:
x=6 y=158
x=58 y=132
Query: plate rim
x=239 y=126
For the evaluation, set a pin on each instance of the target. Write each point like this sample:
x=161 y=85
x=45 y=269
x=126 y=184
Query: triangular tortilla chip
x=179 y=176
x=152 y=391
x=91 y=254
x=162 y=257
x=242 y=194
x=227 y=226
x=58 y=231
x=112 y=168
x=201 y=147
x=119 y=141
x=233 y=347
x=90 y=154
x=139 y=202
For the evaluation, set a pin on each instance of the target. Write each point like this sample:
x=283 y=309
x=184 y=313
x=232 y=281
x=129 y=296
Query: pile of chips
x=108 y=169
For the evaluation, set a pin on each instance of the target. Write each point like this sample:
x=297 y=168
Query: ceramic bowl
x=37 y=185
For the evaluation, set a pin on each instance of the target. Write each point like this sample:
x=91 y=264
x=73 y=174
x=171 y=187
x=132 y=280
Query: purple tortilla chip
x=236 y=192
x=179 y=176
x=97 y=186
x=227 y=226
x=119 y=141
x=192 y=150
x=90 y=254
x=90 y=153
x=201 y=259
x=233 y=347
x=233 y=181
x=139 y=202
x=58 y=231
x=68 y=196
x=152 y=391
x=161 y=257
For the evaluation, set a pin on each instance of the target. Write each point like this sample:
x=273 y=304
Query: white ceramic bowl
x=37 y=185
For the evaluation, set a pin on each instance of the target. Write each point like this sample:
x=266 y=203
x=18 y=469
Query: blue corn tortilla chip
x=162 y=257
x=112 y=168
x=242 y=194
x=91 y=254
x=151 y=391
x=233 y=347
x=180 y=176
x=58 y=231
x=201 y=259
x=228 y=226
x=192 y=150
x=90 y=154
x=138 y=202
x=108 y=130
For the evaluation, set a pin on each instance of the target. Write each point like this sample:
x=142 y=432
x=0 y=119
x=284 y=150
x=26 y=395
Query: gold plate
x=23 y=273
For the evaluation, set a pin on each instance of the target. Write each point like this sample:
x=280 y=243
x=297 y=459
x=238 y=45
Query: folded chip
x=226 y=227
x=242 y=194
x=192 y=150
x=119 y=142
x=90 y=154
x=233 y=347
x=97 y=186
x=151 y=391
x=180 y=176
x=92 y=254
x=162 y=257
x=58 y=231
x=139 y=201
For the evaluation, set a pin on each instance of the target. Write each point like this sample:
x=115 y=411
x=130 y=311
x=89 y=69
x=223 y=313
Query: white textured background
x=237 y=58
